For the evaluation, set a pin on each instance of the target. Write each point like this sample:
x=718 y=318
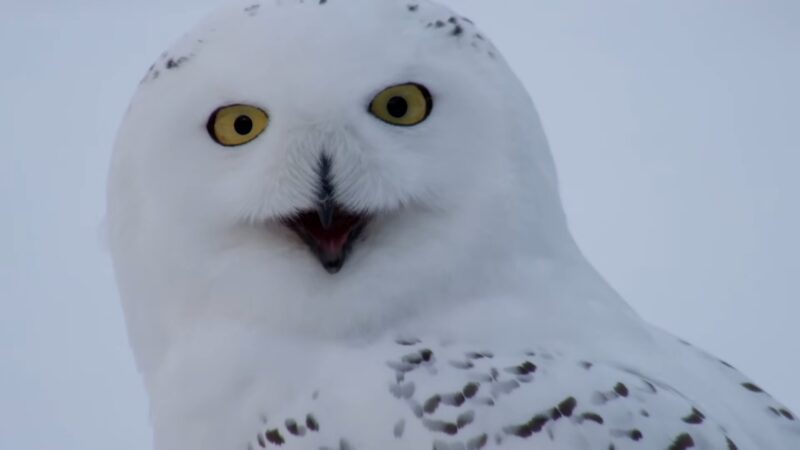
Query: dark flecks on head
x=322 y=2
x=175 y=63
x=413 y=7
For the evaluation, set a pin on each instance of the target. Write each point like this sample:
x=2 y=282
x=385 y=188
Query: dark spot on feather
x=593 y=417
x=431 y=404
x=731 y=444
x=413 y=358
x=787 y=414
x=438 y=24
x=682 y=442
x=696 y=417
x=173 y=63
x=635 y=435
x=465 y=419
x=567 y=406
x=413 y=8
x=458 y=30
x=426 y=354
x=621 y=389
x=293 y=428
x=523 y=369
x=752 y=387
x=311 y=423
x=399 y=428
x=274 y=437
x=586 y=365
x=261 y=442
x=343 y=444
x=726 y=364
x=470 y=390
x=440 y=426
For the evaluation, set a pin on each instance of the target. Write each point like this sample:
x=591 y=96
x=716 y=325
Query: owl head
x=323 y=167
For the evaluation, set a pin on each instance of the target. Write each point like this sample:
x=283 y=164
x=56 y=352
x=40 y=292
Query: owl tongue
x=329 y=238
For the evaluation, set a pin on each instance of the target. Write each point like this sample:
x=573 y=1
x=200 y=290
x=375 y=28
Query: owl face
x=305 y=152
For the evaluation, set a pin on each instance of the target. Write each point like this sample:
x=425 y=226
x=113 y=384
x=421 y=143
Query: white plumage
x=456 y=311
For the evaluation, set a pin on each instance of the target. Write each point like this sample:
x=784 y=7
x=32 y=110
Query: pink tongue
x=332 y=243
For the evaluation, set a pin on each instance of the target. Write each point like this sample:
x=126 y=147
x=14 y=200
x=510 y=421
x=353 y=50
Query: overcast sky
x=675 y=125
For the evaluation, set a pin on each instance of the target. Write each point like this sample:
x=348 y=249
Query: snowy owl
x=336 y=224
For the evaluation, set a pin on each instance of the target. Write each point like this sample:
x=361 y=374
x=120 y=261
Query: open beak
x=329 y=230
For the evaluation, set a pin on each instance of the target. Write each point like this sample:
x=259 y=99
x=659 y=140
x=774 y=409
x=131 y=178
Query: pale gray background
x=674 y=124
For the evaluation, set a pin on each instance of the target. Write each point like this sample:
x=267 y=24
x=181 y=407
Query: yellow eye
x=237 y=124
x=403 y=105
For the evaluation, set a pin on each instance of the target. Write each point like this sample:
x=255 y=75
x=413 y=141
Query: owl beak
x=329 y=231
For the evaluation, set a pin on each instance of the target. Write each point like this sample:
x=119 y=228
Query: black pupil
x=243 y=125
x=397 y=107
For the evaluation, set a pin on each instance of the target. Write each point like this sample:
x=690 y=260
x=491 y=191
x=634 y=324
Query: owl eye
x=236 y=124
x=403 y=105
